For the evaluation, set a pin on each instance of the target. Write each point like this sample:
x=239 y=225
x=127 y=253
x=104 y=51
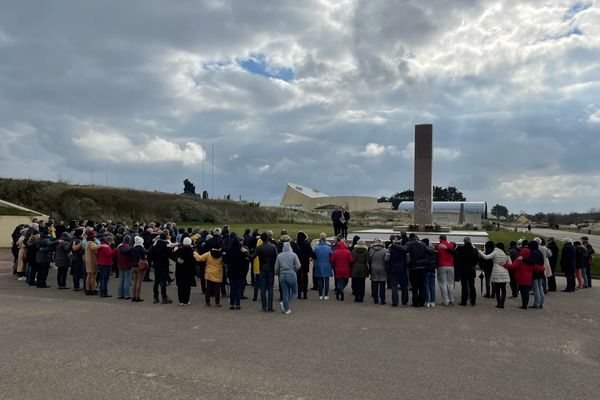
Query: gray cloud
x=135 y=88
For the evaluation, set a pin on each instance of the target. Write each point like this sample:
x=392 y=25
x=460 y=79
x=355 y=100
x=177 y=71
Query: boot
x=155 y=300
x=166 y=300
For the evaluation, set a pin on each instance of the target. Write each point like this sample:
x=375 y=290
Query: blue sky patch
x=257 y=64
x=576 y=8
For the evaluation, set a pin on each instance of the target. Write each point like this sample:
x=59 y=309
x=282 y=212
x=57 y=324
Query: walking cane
x=481 y=276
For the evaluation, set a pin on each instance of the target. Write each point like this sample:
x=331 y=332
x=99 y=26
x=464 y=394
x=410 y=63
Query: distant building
x=12 y=215
x=448 y=213
x=523 y=220
x=304 y=198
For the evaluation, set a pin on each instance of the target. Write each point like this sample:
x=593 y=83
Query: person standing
x=345 y=220
x=266 y=253
x=430 y=270
x=237 y=258
x=185 y=271
x=213 y=273
x=160 y=254
x=590 y=259
x=323 y=268
x=286 y=266
x=44 y=246
x=398 y=273
x=486 y=265
x=567 y=264
x=465 y=261
x=416 y=268
x=553 y=247
x=341 y=259
x=62 y=259
x=539 y=275
x=499 y=276
x=524 y=268
x=124 y=265
x=91 y=267
x=305 y=253
x=580 y=261
x=360 y=270
x=104 y=257
x=139 y=265
x=77 y=264
x=445 y=272
x=378 y=270
x=336 y=217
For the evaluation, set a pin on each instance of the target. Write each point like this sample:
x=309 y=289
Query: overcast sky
x=320 y=93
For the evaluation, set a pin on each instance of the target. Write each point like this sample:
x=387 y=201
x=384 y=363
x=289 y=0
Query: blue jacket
x=43 y=250
x=322 y=266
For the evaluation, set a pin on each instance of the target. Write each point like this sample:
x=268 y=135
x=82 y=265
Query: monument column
x=423 y=167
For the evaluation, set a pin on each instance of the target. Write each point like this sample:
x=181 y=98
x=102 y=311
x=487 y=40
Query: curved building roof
x=308 y=192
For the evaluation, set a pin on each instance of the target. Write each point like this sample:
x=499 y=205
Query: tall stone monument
x=423 y=167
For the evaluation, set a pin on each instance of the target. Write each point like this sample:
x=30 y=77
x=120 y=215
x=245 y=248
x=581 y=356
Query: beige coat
x=90 y=257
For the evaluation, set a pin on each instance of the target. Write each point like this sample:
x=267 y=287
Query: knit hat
x=91 y=234
x=538 y=240
x=568 y=240
x=361 y=242
x=138 y=241
x=187 y=241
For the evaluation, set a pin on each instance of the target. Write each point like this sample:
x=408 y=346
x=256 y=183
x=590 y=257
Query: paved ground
x=560 y=235
x=63 y=345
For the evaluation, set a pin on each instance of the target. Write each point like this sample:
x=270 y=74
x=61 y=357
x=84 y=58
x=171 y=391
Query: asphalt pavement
x=60 y=344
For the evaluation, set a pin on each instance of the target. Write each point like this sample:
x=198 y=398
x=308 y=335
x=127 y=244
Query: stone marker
x=423 y=167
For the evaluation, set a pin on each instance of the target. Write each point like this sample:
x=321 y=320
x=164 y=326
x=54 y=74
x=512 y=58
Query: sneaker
x=181 y=304
x=320 y=297
x=167 y=301
x=432 y=305
x=288 y=312
x=327 y=298
x=282 y=307
x=451 y=303
x=21 y=278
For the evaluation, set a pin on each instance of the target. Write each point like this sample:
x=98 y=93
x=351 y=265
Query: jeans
x=267 y=279
x=340 y=285
x=358 y=287
x=402 y=279
x=323 y=283
x=538 y=292
x=160 y=279
x=124 y=288
x=445 y=277
x=524 y=289
x=588 y=271
x=28 y=273
x=289 y=289
x=378 y=292
x=235 y=291
x=61 y=276
x=430 y=287
x=105 y=271
x=500 y=291
x=256 y=286
x=584 y=275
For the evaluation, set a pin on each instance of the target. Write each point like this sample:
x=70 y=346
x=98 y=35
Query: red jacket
x=104 y=256
x=341 y=260
x=445 y=258
x=523 y=271
x=123 y=258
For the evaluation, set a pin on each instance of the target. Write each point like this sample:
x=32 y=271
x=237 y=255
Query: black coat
x=185 y=272
x=238 y=263
x=567 y=258
x=305 y=252
x=465 y=260
x=160 y=254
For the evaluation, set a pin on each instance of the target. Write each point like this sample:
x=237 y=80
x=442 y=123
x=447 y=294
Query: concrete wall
x=293 y=198
x=7 y=226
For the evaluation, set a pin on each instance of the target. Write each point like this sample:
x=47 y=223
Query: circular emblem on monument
x=422 y=205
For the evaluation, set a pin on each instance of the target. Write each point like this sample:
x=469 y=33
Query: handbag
x=143 y=264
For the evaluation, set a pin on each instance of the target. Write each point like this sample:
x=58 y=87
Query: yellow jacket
x=256 y=261
x=214 y=267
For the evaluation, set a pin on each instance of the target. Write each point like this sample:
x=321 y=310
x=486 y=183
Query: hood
x=301 y=237
x=285 y=238
x=377 y=246
x=287 y=247
x=533 y=245
x=138 y=241
x=342 y=245
x=355 y=239
x=216 y=253
x=360 y=248
x=525 y=253
x=66 y=236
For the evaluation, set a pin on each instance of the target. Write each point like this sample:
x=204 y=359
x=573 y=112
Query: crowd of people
x=222 y=261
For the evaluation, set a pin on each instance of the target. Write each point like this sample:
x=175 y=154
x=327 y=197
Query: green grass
x=506 y=236
x=6 y=210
